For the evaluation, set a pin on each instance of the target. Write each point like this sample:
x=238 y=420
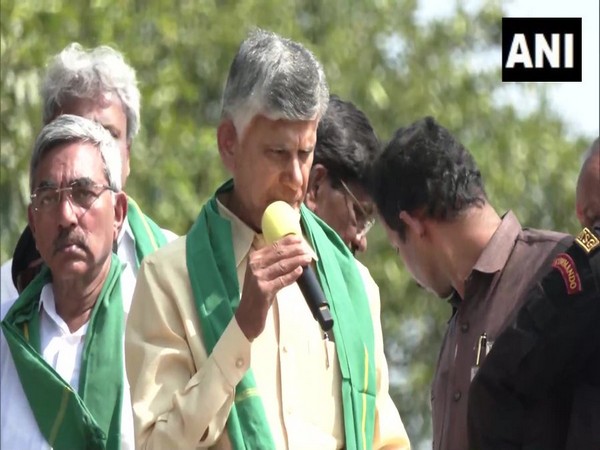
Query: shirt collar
x=48 y=303
x=241 y=234
x=498 y=249
x=125 y=231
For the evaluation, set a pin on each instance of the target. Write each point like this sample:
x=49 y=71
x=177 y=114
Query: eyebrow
x=81 y=181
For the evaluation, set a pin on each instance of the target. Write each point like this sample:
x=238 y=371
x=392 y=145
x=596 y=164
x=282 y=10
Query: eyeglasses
x=80 y=194
x=364 y=220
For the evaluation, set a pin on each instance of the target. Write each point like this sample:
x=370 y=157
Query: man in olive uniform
x=539 y=387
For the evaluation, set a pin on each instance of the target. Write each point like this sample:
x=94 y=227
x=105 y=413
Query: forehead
x=107 y=109
x=70 y=161
x=299 y=133
x=392 y=235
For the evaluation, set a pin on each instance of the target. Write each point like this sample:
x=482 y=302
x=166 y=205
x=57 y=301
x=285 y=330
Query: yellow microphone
x=279 y=220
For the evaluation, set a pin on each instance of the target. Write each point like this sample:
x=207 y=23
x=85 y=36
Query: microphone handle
x=309 y=286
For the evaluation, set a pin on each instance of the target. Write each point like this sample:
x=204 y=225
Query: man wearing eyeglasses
x=97 y=84
x=346 y=144
x=62 y=363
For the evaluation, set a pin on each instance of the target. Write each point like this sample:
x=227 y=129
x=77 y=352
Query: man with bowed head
x=97 y=84
x=337 y=187
x=431 y=198
x=62 y=364
x=223 y=351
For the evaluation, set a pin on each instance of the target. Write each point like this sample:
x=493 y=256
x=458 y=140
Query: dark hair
x=425 y=168
x=25 y=253
x=346 y=143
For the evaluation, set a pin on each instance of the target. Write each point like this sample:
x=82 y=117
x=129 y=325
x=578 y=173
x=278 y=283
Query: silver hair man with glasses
x=337 y=190
x=62 y=363
x=97 y=84
x=222 y=350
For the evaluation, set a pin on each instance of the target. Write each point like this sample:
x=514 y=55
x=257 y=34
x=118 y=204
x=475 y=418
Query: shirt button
x=457 y=395
x=464 y=327
x=239 y=363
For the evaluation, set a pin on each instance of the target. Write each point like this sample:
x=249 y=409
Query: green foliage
x=375 y=53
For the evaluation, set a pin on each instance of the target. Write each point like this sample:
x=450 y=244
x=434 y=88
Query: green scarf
x=90 y=418
x=212 y=271
x=148 y=235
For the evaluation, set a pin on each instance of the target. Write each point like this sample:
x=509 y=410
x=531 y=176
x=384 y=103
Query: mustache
x=70 y=237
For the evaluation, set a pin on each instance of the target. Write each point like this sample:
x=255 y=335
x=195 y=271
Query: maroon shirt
x=495 y=288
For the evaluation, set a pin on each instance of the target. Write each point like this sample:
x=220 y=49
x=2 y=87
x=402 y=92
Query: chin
x=67 y=270
x=445 y=292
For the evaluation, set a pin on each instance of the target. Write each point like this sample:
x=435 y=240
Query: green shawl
x=90 y=418
x=212 y=271
x=148 y=235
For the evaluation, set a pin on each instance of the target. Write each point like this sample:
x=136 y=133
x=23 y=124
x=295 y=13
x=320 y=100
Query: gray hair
x=68 y=128
x=90 y=74
x=275 y=77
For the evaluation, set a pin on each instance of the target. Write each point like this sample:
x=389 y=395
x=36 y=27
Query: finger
x=273 y=254
x=286 y=280
x=285 y=266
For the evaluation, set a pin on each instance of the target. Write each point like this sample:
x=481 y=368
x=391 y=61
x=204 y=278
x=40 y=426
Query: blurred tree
x=376 y=53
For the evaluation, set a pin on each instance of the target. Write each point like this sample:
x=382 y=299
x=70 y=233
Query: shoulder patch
x=565 y=265
x=587 y=240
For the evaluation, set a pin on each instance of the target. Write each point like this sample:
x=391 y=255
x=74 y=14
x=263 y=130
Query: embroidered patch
x=587 y=240
x=565 y=265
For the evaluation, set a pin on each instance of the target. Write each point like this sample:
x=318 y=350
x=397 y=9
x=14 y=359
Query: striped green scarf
x=148 y=235
x=212 y=271
x=90 y=418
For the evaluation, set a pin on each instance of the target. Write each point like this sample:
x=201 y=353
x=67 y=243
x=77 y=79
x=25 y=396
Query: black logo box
x=529 y=26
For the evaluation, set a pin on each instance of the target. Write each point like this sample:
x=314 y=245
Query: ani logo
x=541 y=49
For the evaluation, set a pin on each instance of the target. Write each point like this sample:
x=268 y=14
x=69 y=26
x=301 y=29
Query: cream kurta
x=182 y=397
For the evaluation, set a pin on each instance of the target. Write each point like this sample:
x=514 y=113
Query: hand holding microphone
x=279 y=220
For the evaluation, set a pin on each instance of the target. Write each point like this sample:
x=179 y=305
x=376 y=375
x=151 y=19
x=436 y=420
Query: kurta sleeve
x=389 y=429
x=181 y=397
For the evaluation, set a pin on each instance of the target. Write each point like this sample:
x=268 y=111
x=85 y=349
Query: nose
x=358 y=243
x=67 y=215
x=293 y=173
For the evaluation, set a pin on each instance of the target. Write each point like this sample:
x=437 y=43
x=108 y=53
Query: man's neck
x=75 y=297
x=463 y=241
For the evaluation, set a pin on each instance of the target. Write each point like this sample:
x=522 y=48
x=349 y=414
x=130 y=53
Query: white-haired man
x=97 y=84
x=221 y=349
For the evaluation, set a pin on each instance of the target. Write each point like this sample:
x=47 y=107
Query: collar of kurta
x=211 y=263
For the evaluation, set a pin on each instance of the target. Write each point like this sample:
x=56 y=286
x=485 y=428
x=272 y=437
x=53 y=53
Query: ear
x=227 y=142
x=414 y=223
x=120 y=213
x=318 y=175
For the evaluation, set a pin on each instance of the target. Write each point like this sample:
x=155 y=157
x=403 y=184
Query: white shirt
x=62 y=349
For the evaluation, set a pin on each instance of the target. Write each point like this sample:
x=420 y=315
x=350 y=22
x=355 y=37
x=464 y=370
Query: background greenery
x=376 y=53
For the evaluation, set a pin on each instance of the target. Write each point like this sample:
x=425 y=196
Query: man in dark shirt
x=540 y=385
x=430 y=195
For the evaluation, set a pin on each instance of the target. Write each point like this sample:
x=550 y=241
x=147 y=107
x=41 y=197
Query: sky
x=576 y=102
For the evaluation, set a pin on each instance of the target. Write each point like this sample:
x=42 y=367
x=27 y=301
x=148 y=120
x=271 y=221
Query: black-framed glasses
x=364 y=220
x=79 y=194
